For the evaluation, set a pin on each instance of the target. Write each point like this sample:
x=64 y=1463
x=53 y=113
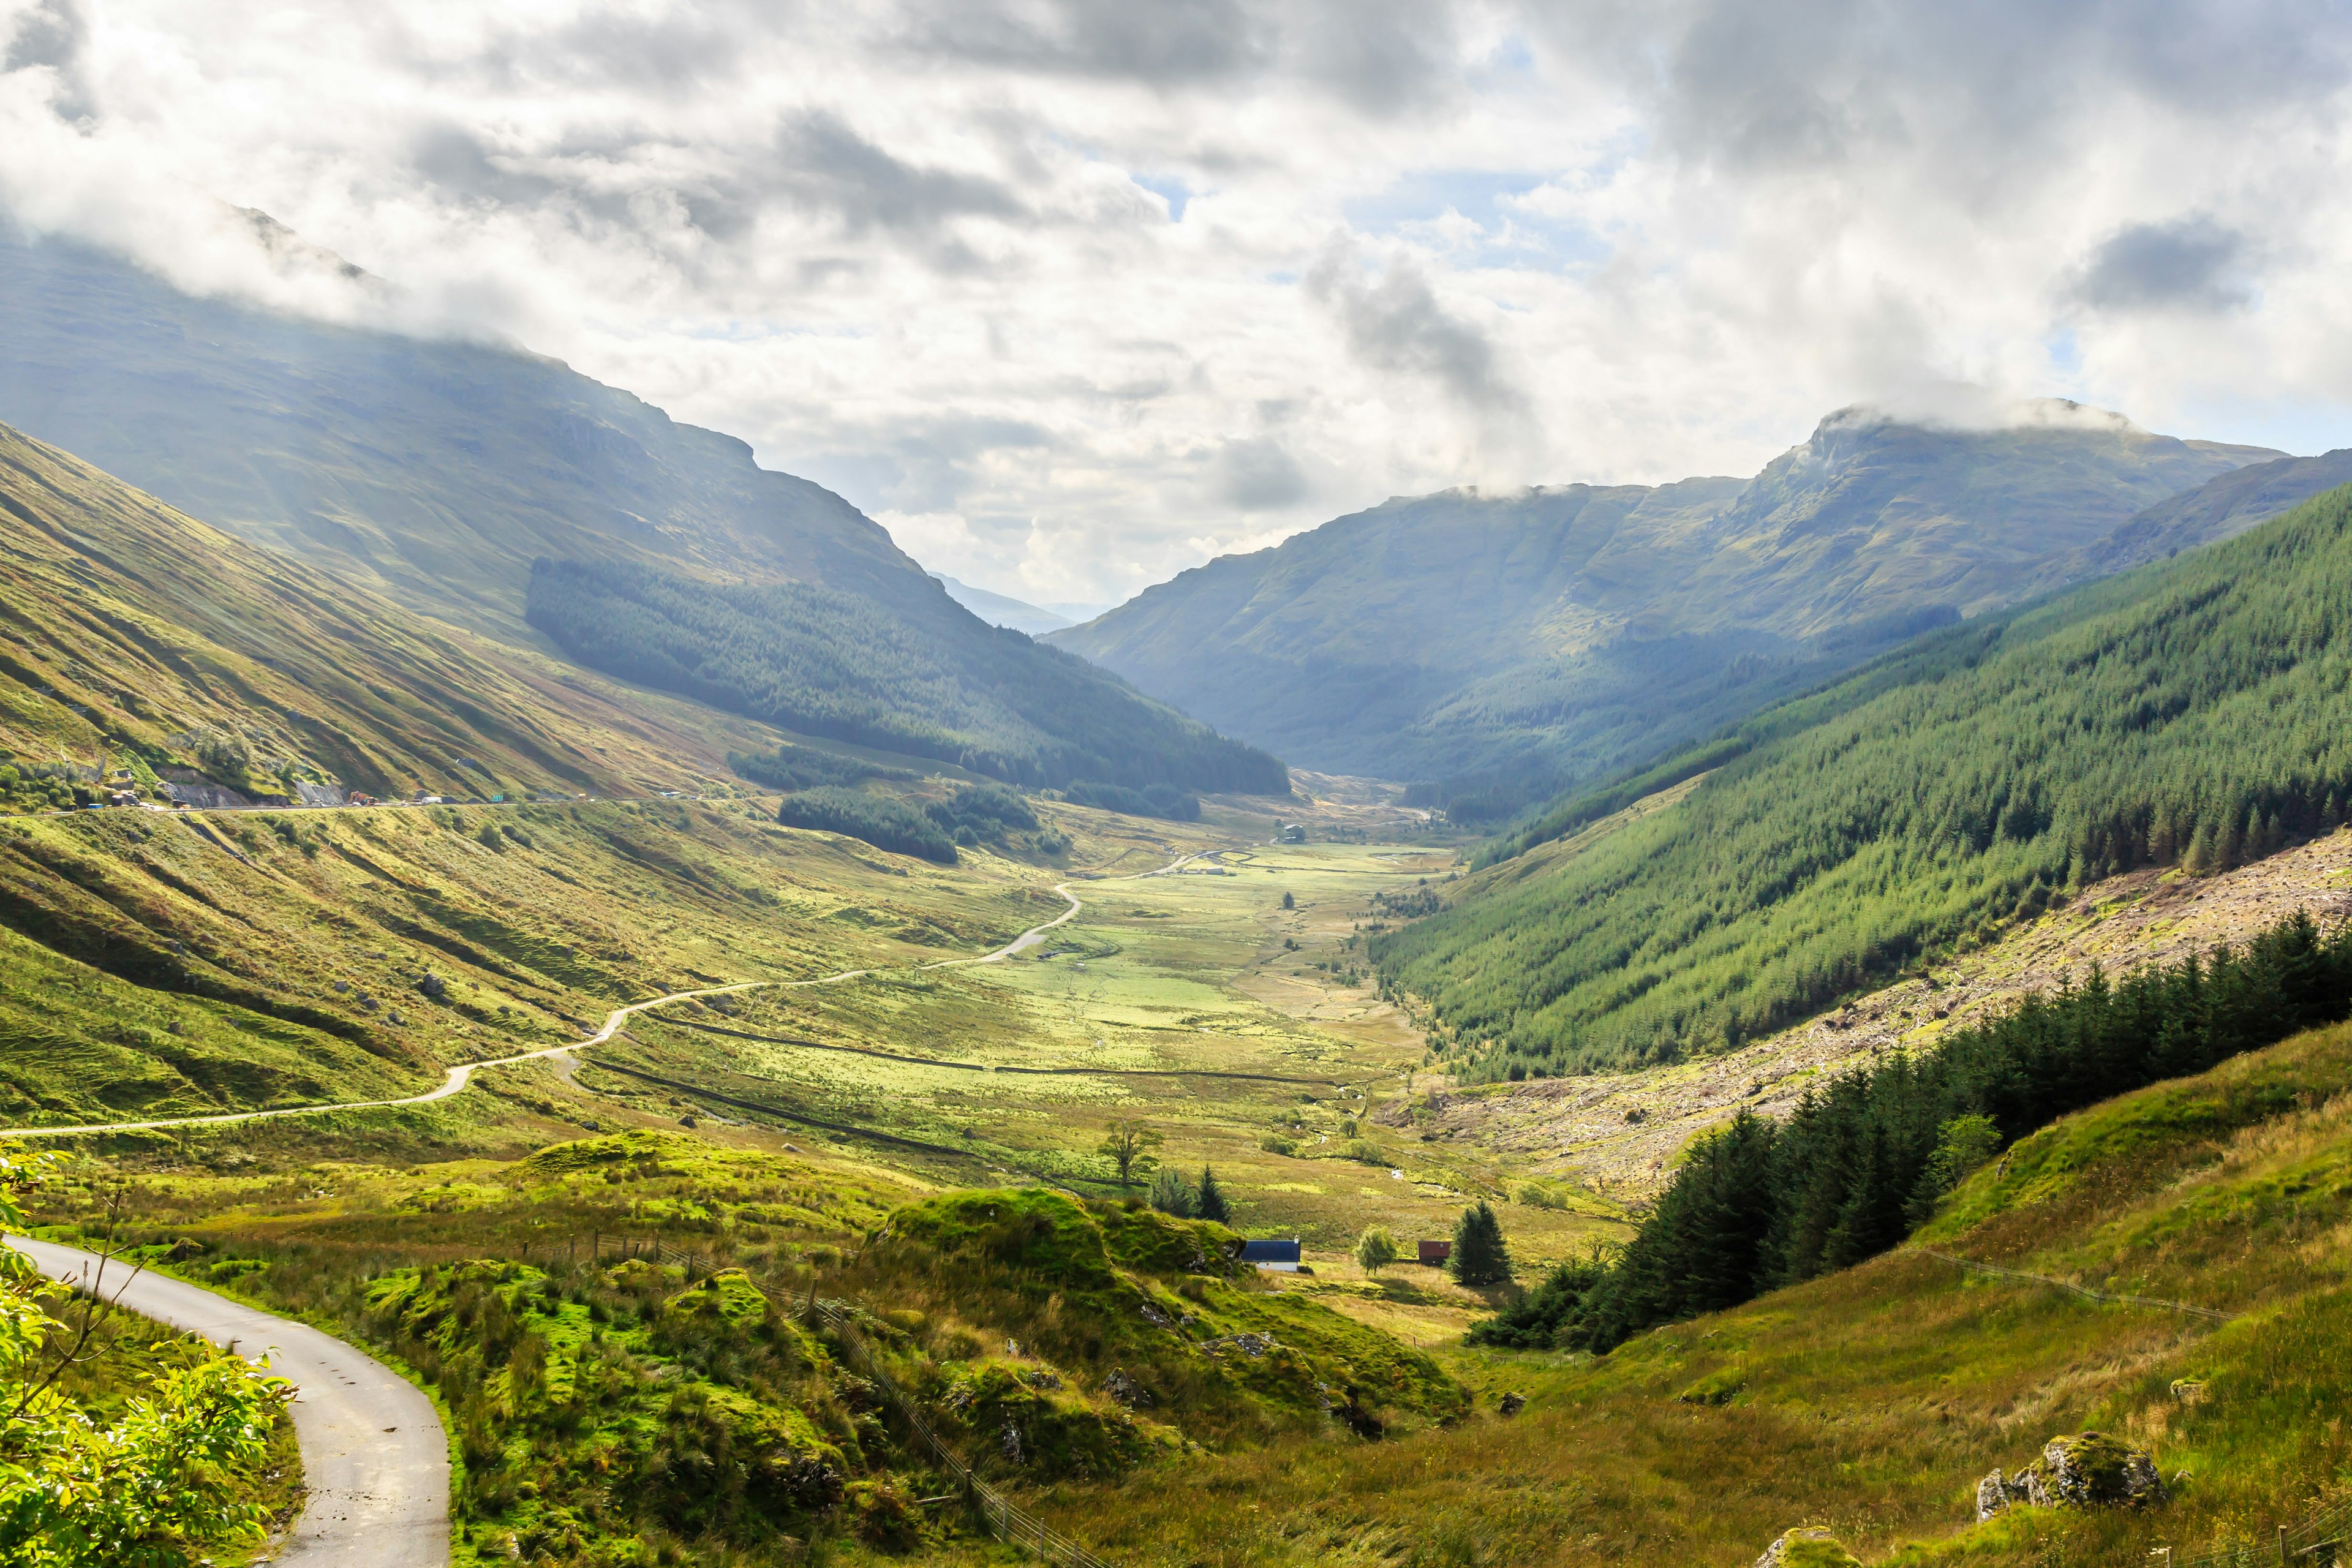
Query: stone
x=1511 y=1404
x=2092 y=1469
x=2086 y=1469
x=1125 y=1390
x=1807 y=1546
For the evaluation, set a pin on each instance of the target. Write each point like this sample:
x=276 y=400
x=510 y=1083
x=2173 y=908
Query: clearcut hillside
x=1515 y=645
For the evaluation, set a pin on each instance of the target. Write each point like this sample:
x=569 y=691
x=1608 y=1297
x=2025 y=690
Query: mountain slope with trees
x=1515 y=645
x=2195 y=712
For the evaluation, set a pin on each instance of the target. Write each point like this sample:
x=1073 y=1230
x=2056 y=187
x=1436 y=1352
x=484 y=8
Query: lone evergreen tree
x=1208 y=1202
x=1479 y=1255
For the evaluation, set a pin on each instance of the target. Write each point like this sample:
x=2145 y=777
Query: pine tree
x=1480 y=1257
x=1208 y=1202
x=2199 y=858
x=1171 y=1193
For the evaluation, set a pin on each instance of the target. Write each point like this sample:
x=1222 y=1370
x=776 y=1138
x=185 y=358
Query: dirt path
x=460 y=1076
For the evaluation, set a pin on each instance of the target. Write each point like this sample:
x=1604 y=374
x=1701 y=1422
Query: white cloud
x=925 y=253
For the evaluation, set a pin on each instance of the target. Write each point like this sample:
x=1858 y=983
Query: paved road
x=374 y=1462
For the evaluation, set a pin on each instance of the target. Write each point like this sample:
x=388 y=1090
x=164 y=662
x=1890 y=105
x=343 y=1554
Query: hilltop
x=1518 y=643
x=504 y=493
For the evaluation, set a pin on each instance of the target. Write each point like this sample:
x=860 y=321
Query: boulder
x=2087 y=1470
x=1807 y=1546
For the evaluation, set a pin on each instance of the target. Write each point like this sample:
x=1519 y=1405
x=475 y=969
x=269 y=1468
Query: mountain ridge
x=1559 y=632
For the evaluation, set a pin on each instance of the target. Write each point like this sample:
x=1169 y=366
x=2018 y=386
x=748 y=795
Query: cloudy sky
x=1074 y=293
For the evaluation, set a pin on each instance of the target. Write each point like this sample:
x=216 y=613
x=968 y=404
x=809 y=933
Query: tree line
x=1865 y=1158
x=2197 y=712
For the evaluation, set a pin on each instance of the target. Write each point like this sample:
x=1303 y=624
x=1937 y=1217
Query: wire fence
x=2321 y=1538
x=2155 y=1304
x=1005 y=1521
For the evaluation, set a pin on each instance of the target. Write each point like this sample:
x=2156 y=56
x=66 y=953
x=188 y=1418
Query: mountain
x=139 y=635
x=2219 y=509
x=1002 y=610
x=501 y=492
x=2192 y=712
x=1556 y=633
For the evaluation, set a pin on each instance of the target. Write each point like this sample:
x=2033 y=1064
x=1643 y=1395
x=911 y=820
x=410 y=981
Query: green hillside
x=432 y=470
x=2197 y=712
x=829 y=663
x=1514 y=645
x=1873 y=1400
x=503 y=492
x=140 y=637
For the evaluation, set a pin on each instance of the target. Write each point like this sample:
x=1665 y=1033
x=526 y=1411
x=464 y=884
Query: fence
x=2084 y=1291
x=2323 y=1531
x=1005 y=1521
x=2316 y=1538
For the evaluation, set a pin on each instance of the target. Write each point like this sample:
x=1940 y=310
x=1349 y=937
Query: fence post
x=2282 y=1541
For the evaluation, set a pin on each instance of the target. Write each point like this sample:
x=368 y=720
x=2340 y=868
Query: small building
x=1273 y=1256
x=1294 y=834
x=1434 y=1253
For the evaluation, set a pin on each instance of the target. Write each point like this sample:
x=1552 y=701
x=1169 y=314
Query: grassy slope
x=1572 y=629
x=165 y=966
x=134 y=626
x=433 y=471
x=1934 y=798
x=450 y=478
x=1873 y=1400
x=408 y=1260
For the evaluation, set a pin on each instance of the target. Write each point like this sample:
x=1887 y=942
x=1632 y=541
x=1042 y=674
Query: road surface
x=375 y=1464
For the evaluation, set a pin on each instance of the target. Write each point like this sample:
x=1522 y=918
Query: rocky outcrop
x=2088 y=1469
x=1807 y=1546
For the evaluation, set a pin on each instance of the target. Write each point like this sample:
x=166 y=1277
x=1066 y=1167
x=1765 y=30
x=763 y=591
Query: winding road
x=375 y=1461
x=375 y=1464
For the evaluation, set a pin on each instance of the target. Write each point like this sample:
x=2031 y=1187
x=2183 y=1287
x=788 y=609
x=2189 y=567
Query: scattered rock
x=1156 y=1318
x=1037 y=1377
x=1008 y=1443
x=1125 y=1390
x=434 y=987
x=1511 y=1404
x=1807 y=1546
x=2188 y=1390
x=1250 y=1345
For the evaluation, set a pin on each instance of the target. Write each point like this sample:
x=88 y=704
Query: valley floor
x=1223 y=1005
